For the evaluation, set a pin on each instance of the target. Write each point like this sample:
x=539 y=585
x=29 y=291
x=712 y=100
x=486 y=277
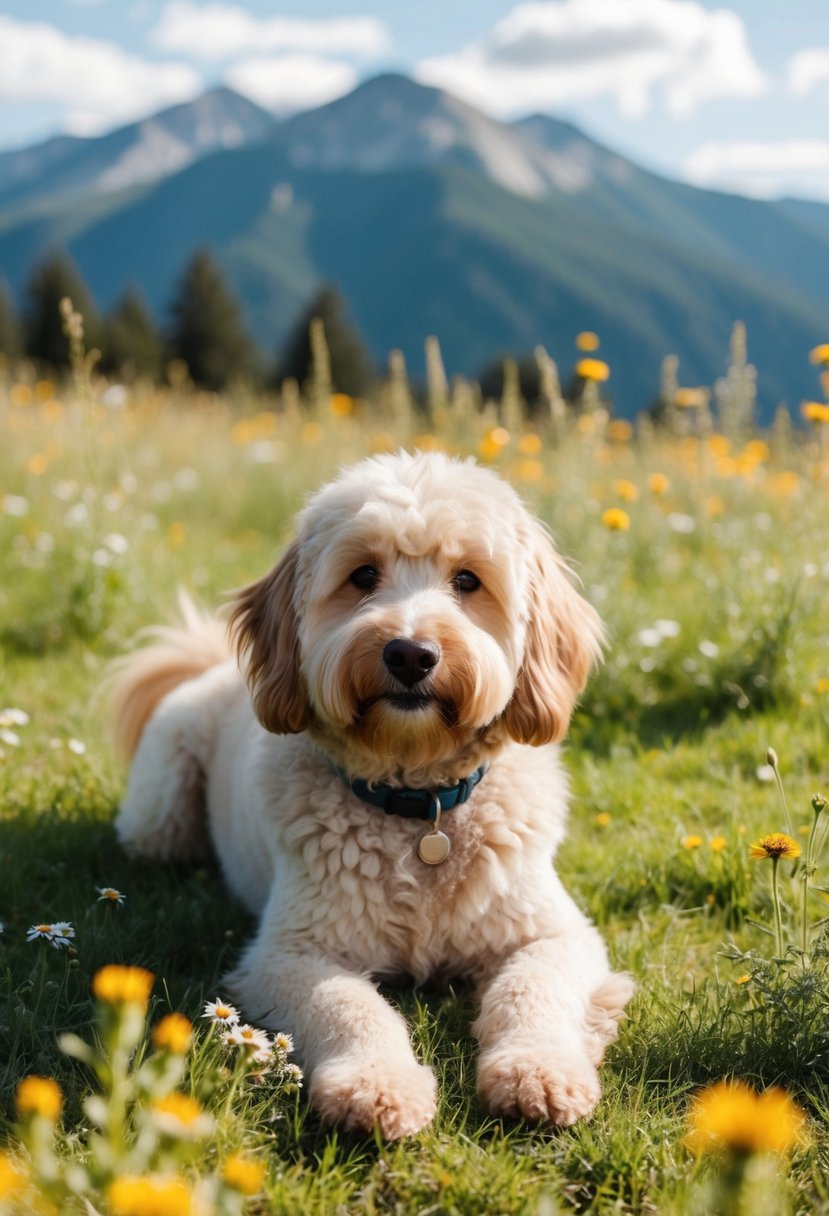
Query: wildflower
x=820 y=354
x=743 y=979
x=815 y=411
x=691 y=842
x=529 y=444
x=176 y=534
x=12 y=1180
x=493 y=443
x=294 y=1074
x=717 y=843
x=151 y=1195
x=619 y=430
x=616 y=520
x=13 y=717
x=310 y=432
x=626 y=490
x=39 y=1096
x=58 y=935
x=530 y=470
x=255 y=1041
x=119 y=985
x=341 y=405
x=587 y=340
x=221 y=1011
x=243 y=1174
x=110 y=895
x=775 y=846
x=731 y=1115
x=181 y=1116
x=658 y=484
x=690 y=398
x=173 y=1033
x=603 y=819
x=283 y=1042
x=592 y=369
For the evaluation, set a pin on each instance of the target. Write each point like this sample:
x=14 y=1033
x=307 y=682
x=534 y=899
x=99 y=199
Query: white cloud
x=550 y=52
x=215 y=32
x=807 y=69
x=99 y=82
x=285 y=83
x=763 y=170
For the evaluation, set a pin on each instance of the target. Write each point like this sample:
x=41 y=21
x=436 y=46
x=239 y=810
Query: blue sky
x=732 y=94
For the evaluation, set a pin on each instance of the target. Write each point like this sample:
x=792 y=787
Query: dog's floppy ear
x=263 y=625
x=564 y=639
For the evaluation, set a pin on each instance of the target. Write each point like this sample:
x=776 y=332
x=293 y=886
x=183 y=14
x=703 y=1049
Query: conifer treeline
x=205 y=329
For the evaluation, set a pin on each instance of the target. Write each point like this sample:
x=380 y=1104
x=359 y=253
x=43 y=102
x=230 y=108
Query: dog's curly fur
x=248 y=760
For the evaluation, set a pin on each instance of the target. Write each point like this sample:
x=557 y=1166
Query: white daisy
x=58 y=935
x=110 y=895
x=13 y=717
x=255 y=1041
x=283 y=1042
x=294 y=1074
x=222 y=1012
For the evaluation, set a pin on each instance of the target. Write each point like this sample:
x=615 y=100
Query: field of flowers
x=698 y=756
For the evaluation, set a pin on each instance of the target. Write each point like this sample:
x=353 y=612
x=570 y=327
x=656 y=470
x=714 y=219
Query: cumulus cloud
x=215 y=32
x=807 y=69
x=550 y=52
x=283 y=83
x=98 y=82
x=763 y=170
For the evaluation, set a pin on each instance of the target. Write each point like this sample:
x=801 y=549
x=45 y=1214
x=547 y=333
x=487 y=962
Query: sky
x=726 y=95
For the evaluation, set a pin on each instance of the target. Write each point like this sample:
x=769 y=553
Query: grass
x=107 y=510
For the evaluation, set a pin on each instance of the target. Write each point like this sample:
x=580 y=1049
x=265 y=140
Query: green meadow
x=704 y=546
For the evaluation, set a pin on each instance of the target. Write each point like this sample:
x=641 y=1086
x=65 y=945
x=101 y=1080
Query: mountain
x=143 y=151
x=434 y=218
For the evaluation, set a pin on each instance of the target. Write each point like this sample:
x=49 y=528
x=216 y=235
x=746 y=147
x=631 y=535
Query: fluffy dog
x=403 y=672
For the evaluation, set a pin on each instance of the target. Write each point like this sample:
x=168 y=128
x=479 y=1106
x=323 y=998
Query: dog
x=375 y=768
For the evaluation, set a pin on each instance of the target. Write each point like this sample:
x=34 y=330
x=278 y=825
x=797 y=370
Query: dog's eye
x=466 y=581
x=365 y=578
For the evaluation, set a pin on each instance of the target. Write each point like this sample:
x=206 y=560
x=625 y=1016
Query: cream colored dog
x=408 y=661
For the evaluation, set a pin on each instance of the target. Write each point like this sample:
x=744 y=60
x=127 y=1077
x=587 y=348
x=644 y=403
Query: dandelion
x=118 y=985
x=616 y=520
x=222 y=1012
x=731 y=1115
x=691 y=842
x=151 y=1195
x=39 y=1096
x=593 y=369
x=603 y=819
x=717 y=844
x=182 y=1117
x=815 y=411
x=59 y=934
x=110 y=895
x=658 y=484
x=587 y=340
x=341 y=405
x=255 y=1041
x=12 y=1180
x=626 y=490
x=243 y=1174
x=775 y=846
x=174 y=1033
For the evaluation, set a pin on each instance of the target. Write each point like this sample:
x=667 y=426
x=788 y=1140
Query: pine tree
x=9 y=328
x=207 y=330
x=352 y=371
x=132 y=345
x=53 y=279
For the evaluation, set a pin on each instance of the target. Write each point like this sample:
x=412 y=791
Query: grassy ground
x=714 y=596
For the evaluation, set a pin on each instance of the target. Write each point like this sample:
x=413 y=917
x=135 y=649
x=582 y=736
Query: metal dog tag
x=435 y=846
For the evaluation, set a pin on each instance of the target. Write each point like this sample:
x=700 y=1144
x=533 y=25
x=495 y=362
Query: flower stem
x=779 y=780
x=775 y=895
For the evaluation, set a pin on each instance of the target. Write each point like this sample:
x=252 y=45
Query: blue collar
x=414 y=804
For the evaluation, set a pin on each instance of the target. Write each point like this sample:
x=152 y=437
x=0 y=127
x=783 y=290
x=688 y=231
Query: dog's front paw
x=538 y=1085
x=398 y=1098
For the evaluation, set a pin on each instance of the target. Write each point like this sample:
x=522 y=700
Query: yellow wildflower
x=20 y=394
x=719 y=445
x=616 y=520
x=529 y=444
x=603 y=819
x=118 y=985
x=176 y=534
x=341 y=405
x=691 y=398
x=731 y=1115
x=12 y=1180
x=714 y=506
x=822 y=686
x=530 y=470
x=626 y=490
x=244 y=1174
x=658 y=484
x=493 y=443
x=691 y=842
x=785 y=482
x=180 y=1115
x=587 y=340
x=592 y=369
x=820 y=354
x=39 y=1096
x=815 y=411
x=743 y=979
x=619 y=430
x=37 y=464
x=44 y=390
x=717 y=843
x=776 y=845
x=152 y=1195
x=756 y=449
x=173 y=1033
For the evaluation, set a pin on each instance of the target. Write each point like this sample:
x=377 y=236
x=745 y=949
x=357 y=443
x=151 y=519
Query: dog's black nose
x=410 y=662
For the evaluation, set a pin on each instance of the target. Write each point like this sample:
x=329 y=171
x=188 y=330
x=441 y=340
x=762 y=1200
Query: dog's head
x=419 y=609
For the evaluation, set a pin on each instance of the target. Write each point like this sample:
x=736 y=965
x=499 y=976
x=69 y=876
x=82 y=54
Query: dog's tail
x=139 y=681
